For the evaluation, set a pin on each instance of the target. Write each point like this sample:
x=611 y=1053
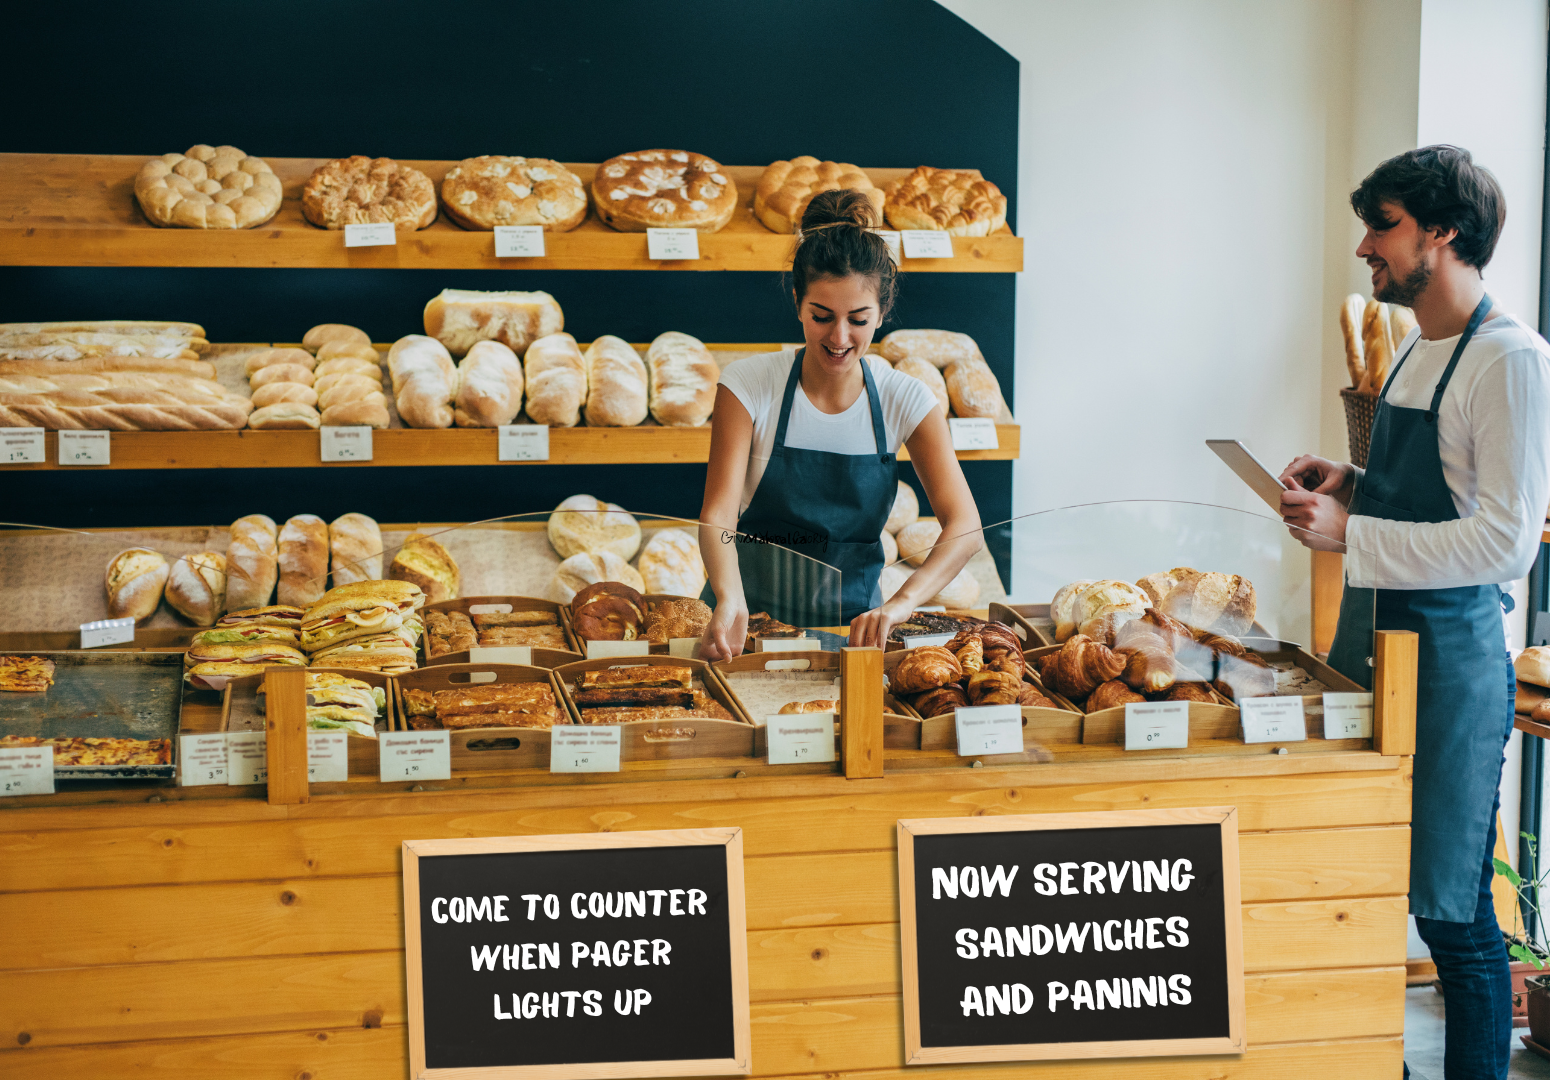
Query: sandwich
x=426 y=564
x=259 y=653
x=339 y=703
x=249 y=634
x=389 y=653
x=214 y=674
x=274 y=615
x=360 y=609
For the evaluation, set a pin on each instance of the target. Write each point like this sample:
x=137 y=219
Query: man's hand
x=727 y=631
x=871 y=627
x=1321 y=477
x=1317 y=521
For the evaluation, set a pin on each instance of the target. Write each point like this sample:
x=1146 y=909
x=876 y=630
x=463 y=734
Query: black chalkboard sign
x=595 y=955
x=1071 y=936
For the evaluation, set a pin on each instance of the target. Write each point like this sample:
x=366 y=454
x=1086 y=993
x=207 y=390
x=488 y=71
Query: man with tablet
x=1449 y=507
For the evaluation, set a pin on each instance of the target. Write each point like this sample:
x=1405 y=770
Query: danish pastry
x=663 y=189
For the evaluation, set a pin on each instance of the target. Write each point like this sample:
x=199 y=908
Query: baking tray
x=103 y=695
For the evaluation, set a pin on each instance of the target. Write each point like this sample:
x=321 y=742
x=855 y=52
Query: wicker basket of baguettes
x=1372 y=333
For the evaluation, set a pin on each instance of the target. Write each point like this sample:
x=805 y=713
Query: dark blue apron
x=1462 y=714
x=829 y=507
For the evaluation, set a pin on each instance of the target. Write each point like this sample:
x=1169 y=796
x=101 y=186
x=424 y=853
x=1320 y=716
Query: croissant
x=995 y=688
x=924 y=668
x=1030 y=698
x=1083 y=664
x=942 y=700
x=1001 y=644
x=1221 y=643
x=1240 y=677
x=971 y=654
x=1148 y=665
x=1046 y=665
x=1189 y=691
x=1111 y=694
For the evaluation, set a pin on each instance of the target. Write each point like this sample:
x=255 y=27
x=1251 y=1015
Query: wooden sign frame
x=1226 y=817
x=741 y=1062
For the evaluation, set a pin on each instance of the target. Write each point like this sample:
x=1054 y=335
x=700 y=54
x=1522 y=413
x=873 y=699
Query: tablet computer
x=1249 y=470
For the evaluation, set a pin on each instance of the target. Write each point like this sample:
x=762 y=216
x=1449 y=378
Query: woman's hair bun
x=843 y=206
x=838 y=240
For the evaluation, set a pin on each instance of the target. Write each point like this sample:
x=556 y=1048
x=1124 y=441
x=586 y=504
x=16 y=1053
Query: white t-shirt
x=1493 y=436
x=759 y=382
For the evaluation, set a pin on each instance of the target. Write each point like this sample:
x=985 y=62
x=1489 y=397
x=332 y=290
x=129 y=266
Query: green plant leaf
x=1507 y=872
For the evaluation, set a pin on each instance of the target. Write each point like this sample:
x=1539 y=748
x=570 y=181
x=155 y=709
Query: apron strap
x=879 y=429
x=1481 y=310
x=779 y=446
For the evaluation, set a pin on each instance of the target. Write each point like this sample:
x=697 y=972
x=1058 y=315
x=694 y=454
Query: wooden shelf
x=80 y=210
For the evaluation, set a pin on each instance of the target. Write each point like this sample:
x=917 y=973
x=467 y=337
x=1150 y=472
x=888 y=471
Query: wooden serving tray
x=544 y=658
x=1043 y=727
x=658 y=740
x=482 y=749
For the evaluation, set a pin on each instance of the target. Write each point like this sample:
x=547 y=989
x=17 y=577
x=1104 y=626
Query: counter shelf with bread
x=92 y=217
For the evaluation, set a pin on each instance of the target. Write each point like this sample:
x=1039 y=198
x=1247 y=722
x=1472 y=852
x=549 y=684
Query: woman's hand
x=726 y=632
x=1321 y=477
x=871 y=627
x=1317 y=521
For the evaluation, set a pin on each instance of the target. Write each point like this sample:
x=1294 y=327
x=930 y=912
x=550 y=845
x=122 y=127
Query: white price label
x=789 y=644
x=415 y=755
x=927 y=639
x=1347 y=716
x=519 y=241
x=891 y=238
x=22 y=446
x=798 y=737
x=345 y=443
x=927 y=244
x=973 y=433
x=989 y=729
x=523 y=442
x=84 y=448
x=685 y=648
x=1272 y=719
x=247 y=760
x=1157 y=725
x=501 y=654
x=27 y=770
x=94 y=635
x=601 y=650
x=201 y=759
x=328 y=757
x=584 y=748
x=673 y=243
x=372 y=234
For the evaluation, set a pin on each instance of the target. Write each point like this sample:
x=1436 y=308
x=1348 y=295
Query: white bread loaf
x=323 y=333
x=96 y=412
x=906 y=509
x=134 y=581
x=285 y=415
x=270 y=357
x=670 y=563
x=337 y=389
x=196 y=587
x=556 y=381
x=973 y=389
x=917 y=539
x=303 y=560
x=1533 y=665
x=583 y=523
x=616 y=384
x=281 y=392
x=489 y=386
x=683 y=380
x=893 y=579
x=961 y=592
x=369 y=411
x=460 y=317
x=251 y=562
x=355 y=546
x=1062 y=608
x=424 y=379
x=890 y=548
x=938 y=348
x=273 y=373
x=588 y=568
x=927 y=373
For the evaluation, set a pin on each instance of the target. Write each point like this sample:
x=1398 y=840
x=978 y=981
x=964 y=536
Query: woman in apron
x=803 y=460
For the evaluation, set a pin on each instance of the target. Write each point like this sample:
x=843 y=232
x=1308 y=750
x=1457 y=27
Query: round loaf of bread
x=275 y=357
x=483 y=192
x=209 y=187
x=360 y=191
x=196 y=587
x=670 y=563
x=973 y=389
x=936 y=347
x=785 y=189
x=893 y=579
x=323 y=333
x=663 y=189
x=961 y=592
x=135 y=580
x=927 y=372
x=1062 y=608
x=1219 y=603
x=890 y=548
x=585 y=524
x=906 y=509
x=957 y=201
x=589 y=568
x=917 y=539
x=1533 y=665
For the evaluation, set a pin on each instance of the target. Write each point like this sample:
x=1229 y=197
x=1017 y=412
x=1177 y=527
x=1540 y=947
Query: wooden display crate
x=239 y=712
x=482 y=749
x=1287 y=652
x=661 y=740
x=543 y=658
x=825 y=664
x=656 y=598
x=1218 y=720
x=1041 y=727
x=1012 y=615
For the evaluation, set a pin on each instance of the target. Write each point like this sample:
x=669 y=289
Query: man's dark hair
x=1441 y=187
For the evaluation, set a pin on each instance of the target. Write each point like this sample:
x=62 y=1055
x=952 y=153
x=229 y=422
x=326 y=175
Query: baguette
x=1377 y=347
x=19 y=410
x=489 y=386
x=1401 y=322
x=196 y=369
x=107 y=326
x=303 y=556
x=1351 y=329
x=556 y=381
x=251 y=562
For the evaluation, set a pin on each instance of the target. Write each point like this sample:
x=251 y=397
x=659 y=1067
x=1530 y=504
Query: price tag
x=989 y=729
x=891 y=238
x=501 y=654
x=27 y=770
x=345 y=443
x=83 y=448
x=201 y=759
x=927 y=244
x=973 y=433
x=584 y=748
x=328 y=757
x=524 y=442
x=1347 y=716
x=797 y=737
x=789 y=644
x=673 y=243
x=94 y=635
x=414 y=755
x=22 y=446
x=1157 y=725
x=519 y=241
x=247 y=762
x=372 y=234
x=685 y=648
x=1273 y=719
x=927 y=639
x=599 y=650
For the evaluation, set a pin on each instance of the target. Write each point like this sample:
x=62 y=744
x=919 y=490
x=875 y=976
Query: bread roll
x=1351 y=330
x=1533 y=665
x=961 y=592
x=348 y=350
x=303 y=556
x=346 y=365
x=927 y=373
x=683 y=380
x=890 y=548
x=355 y=544
x=270 y=357
x=671 y=564
x=556 y=381
x=251 y=562
x=893 y=579
x=425 y=562
x=134 y=580
x=1529 y=697
x=281 y=393
x=196 y=587
x=583 y=523
x=460 y=317
x=1062 y=609
x=1158 y=585
x=424 y=379
x=916 y=540
x=616 y=384
x=320 y=335
x=292 y=373
x=339 y=389
x=906 y=509
x=973 y=389
x=285 y=416
x=939 y=348
x=369 y=411
x=588 y=568
x=489 y=386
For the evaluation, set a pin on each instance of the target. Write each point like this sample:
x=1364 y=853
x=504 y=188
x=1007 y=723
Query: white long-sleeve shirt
x=1493 y=435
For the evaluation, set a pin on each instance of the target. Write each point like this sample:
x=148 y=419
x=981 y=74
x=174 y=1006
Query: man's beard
x=1405 y=292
